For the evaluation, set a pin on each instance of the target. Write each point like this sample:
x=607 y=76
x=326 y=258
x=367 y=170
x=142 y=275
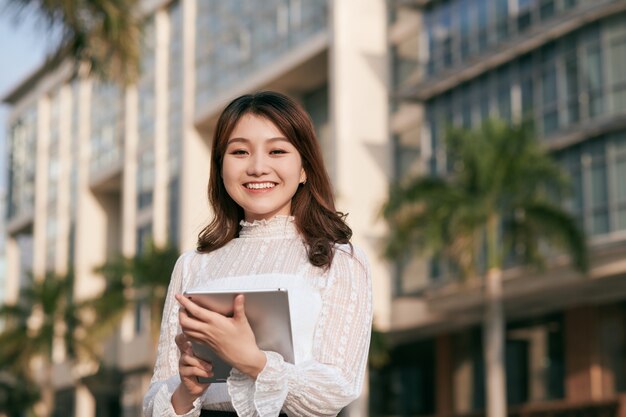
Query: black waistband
x=213 y=413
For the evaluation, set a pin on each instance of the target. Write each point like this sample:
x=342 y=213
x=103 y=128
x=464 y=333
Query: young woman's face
x=261 y=168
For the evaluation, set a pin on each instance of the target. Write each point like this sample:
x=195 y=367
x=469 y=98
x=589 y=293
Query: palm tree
x=44 y=315
x=496 y=202
x=18 y=393
x=140 y=279
x=102 y=33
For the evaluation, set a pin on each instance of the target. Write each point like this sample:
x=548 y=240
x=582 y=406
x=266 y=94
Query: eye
x=238 y=152
x=277 y=151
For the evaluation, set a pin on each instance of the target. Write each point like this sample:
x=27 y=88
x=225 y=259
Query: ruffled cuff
x=265 y=396
x=272 y=385
x=241 y=391
x=163 y=400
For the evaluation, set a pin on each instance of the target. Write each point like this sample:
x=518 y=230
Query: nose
x=257 y=165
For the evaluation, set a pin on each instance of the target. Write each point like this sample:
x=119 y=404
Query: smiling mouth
x=259 y=185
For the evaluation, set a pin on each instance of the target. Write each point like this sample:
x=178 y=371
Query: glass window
x=430 y=36
x=504 y=93
x=571 y=162
x=145 y=178
x=571 y=88
x=482 y=85
x=568 y=4
x=406 y=386
x=535 y=360
x=316 y=104
x=547 y=9
x=617 y=73
x=144 y=234
x=443 y=32
x=502 y=19
x=549 y=98
x=594 y=80
x=466 y=12
x=482 y=7
x=235 y=38
x=524 y=15
x=598 y=187
x=64 y=401
x=619 y=147
x=468 y=371
x=407 y=154
x=173 y=211
x=612 y=330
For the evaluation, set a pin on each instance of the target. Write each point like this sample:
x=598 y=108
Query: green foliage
x=140 y=279
x=105 y=34
x=379 y=350
x=18 y=393
x=30 y=325
x=44 y=313
x=499 y=199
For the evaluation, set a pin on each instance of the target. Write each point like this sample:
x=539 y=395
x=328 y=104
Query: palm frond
x=105 y=34
x=493 y=172
x=560 y=228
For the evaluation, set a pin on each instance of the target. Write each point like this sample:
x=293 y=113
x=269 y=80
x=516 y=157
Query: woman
x=275 y=225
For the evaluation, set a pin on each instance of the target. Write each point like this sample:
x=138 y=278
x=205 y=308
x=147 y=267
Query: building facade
x=560 y=64
x=95 y=170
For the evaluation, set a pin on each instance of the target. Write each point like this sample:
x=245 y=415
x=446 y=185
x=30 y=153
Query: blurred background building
x=96 y=170
x=561 y=64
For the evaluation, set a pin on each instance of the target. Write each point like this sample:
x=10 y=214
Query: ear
x=302 y=176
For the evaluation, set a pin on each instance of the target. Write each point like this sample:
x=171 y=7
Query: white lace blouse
x=331 y=321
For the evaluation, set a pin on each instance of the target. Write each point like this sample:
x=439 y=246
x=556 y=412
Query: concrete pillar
x=65 y=170
x=194 y=209
x=159 y=219
x=41 y=188
x=12 y=271
x=85 y=402
x=359 y=116
x=91 y=223
x=129 y=179
x=359 y=120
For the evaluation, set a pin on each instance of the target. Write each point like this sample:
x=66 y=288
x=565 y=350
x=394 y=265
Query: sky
x=23 y=48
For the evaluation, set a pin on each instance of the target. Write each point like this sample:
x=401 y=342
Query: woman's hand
x=230 y=337
x=190 y=368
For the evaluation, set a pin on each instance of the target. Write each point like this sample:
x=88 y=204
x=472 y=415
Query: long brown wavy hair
x=313 y=204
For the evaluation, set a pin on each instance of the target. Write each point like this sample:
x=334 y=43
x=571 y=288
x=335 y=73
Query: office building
x=561 y=64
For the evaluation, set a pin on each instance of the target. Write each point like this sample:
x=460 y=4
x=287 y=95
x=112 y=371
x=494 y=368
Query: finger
x=181 y=341
x=194 y=372
x=239 y=308
x=188 y=306
x=195 y=311
x=201 y=337
x=192 y=360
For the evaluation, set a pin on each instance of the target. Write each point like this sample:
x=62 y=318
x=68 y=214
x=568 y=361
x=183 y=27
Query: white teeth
x=259 y=186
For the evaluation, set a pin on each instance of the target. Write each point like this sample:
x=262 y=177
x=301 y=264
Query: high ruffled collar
x=276 y=227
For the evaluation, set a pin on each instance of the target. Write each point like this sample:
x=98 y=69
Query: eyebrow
x=244 y=140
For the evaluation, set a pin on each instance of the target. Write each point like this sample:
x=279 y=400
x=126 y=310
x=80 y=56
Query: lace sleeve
x=165 y=380
x=334 y=378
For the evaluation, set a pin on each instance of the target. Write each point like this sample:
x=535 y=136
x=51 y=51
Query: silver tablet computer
x=267 y=311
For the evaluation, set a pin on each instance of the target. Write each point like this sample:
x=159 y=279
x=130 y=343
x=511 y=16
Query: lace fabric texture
x=331 y=323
